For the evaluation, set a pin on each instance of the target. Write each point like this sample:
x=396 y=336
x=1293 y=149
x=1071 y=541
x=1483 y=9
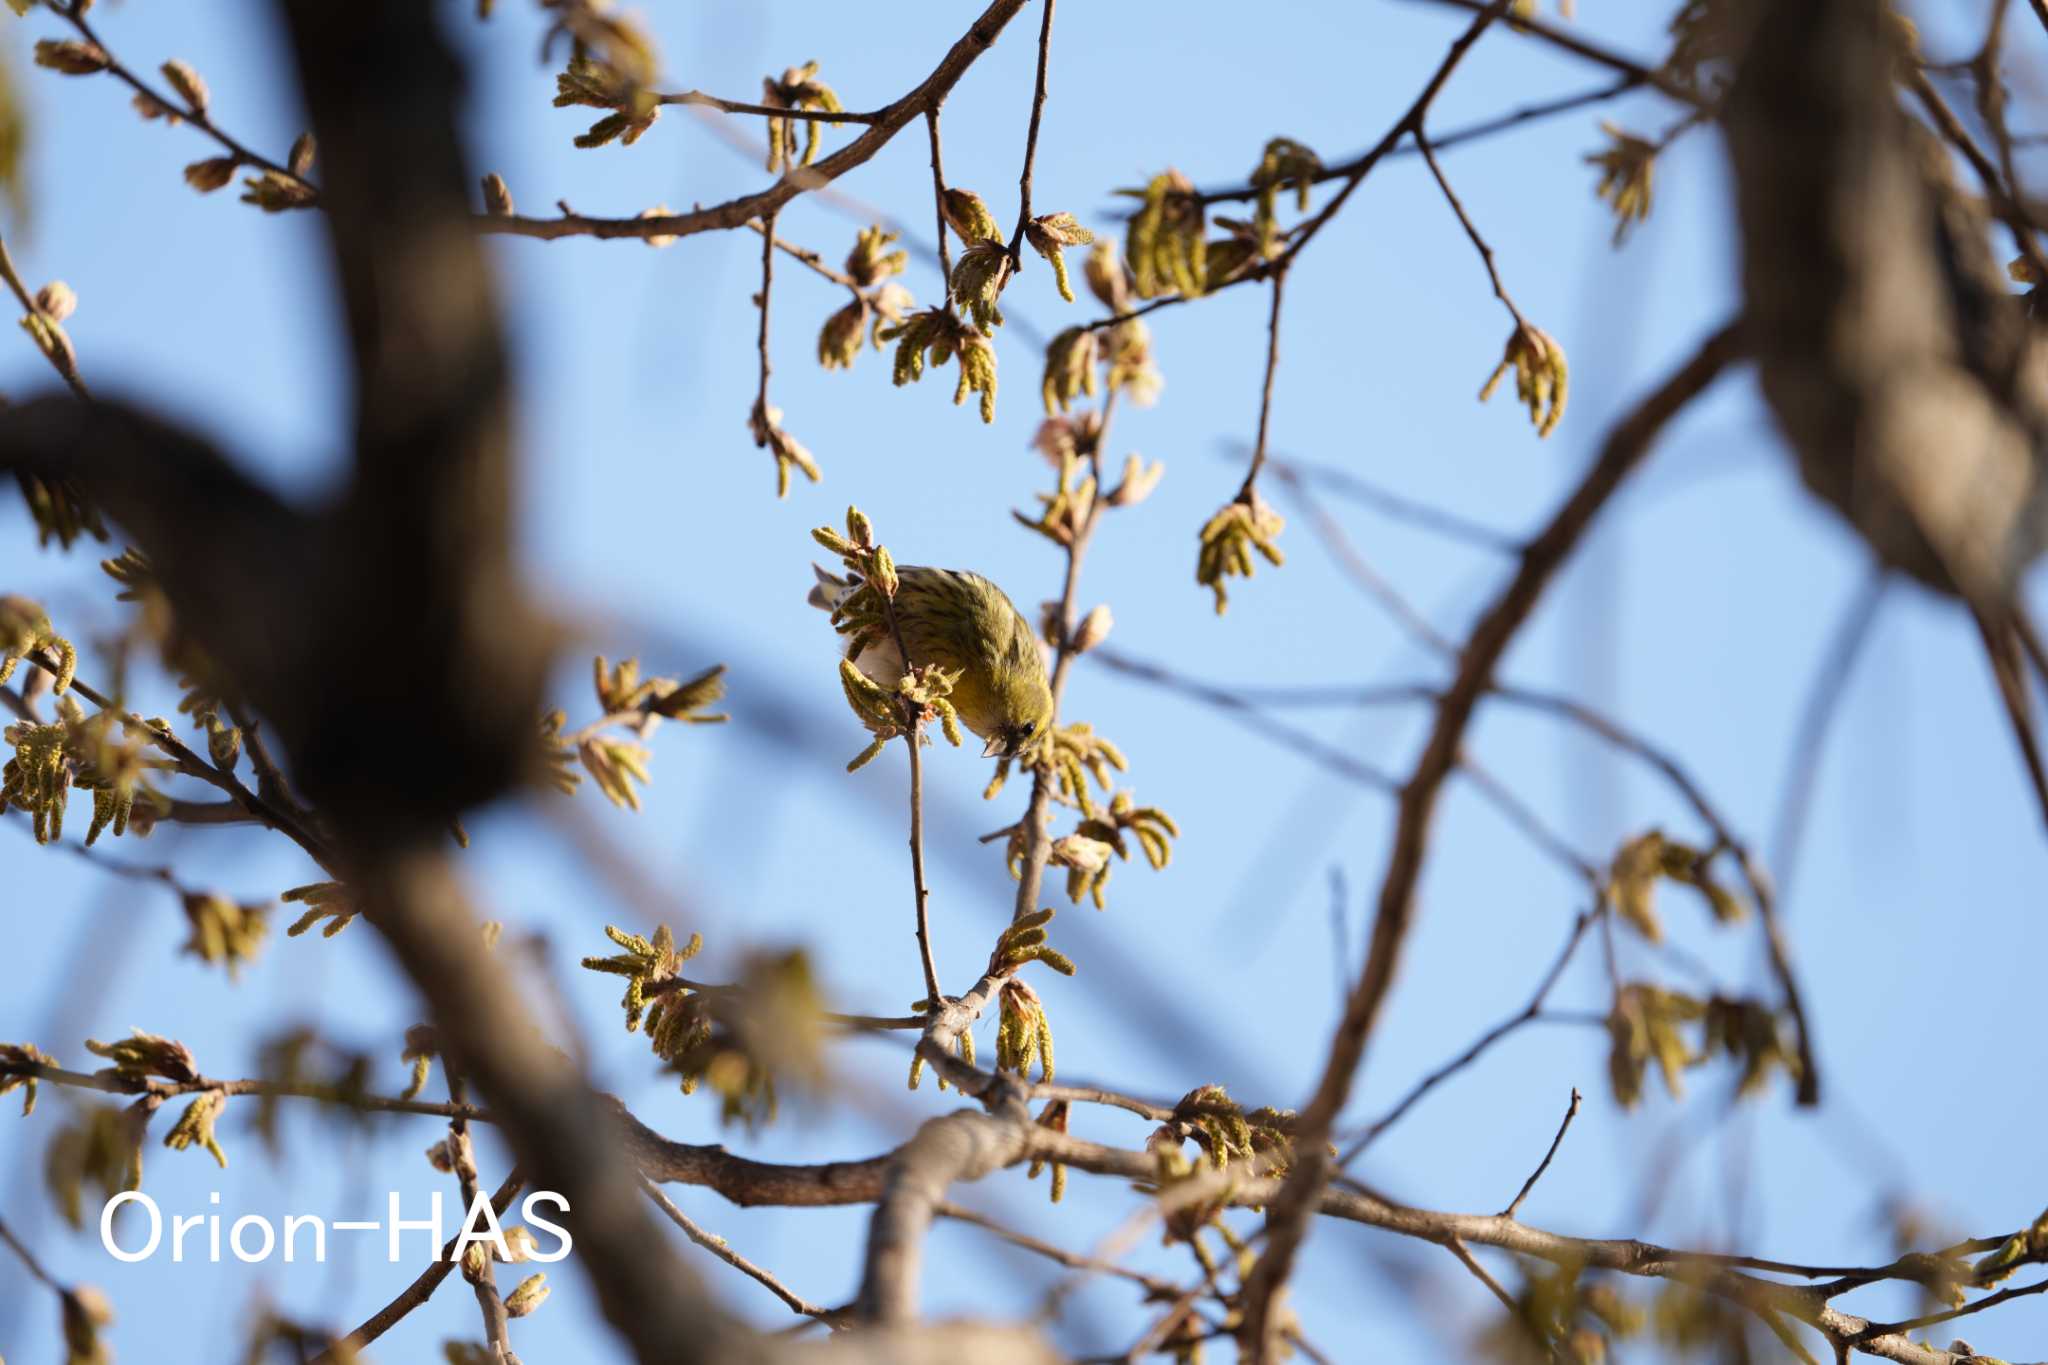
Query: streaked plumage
x=960 y=620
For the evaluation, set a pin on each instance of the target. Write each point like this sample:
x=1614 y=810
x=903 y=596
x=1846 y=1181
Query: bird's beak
x=995 y=746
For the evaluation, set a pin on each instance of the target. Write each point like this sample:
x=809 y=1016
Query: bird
x=961 y=622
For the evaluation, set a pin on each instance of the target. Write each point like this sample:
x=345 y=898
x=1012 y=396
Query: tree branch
x=1626 y=445
x=884 y=124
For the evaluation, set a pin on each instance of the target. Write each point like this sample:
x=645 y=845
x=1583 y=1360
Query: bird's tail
x=830 y=589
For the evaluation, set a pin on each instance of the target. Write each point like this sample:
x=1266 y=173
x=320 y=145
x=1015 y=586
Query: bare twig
x=1823 y=696
x=1030 y=137
x=1571 y=1112
x=1251 y=475
x=1479 y=243
x=28 y=1258
x=1530 y=113
x=701 y=100
x=1534 y=26
x=1529 y=1013
x=923 y=893
x=931 y=123
x=811 y=259
x=767 y=367
x=717 y=1247
x=1457 y=1248
x=1332 y=534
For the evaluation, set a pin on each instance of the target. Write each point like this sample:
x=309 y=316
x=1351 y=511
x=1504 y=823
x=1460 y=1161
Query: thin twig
x=1571 y=1112
x=1251 y=475
x=1534 y=26
x=28 y=1258
x=1530 y=113
x=717 y=1247
x=767 y=230
x=1468 y=133
x=1529 y=1013
x=1347 y=484
x=1823 y=698
x=811 y=259
x=931 y=121
x=701 y=100
x=924 y=934
x=1332 y=534
x=1479 y=243
x=1031 y=135
x=1152 y=1284
x=1456 y=1246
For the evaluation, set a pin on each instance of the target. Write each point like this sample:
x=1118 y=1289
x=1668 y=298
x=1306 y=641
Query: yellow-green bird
x=961 y=621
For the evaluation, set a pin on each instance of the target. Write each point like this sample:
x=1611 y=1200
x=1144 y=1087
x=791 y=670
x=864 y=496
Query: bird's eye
x=1030 y=728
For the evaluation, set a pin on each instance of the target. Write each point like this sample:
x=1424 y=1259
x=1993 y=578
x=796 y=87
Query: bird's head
x=1024 y=713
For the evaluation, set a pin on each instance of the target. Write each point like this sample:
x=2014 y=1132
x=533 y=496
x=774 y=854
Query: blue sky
x=1696 y=614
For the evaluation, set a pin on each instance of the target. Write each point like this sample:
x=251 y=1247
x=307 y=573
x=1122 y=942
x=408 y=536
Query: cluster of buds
x=330 y=901
x=1223 y=1130
x=1244 y=524
x=1165 y=240
x=1024 y=1032
x=934 y=336
x=1541 y=377
x=15 y=1061
x=224 y=931
x=1649 y=858
x=141 y=1055
x=1086 y=853
x=1643 y=1027
x=978 y=280
x=194 y=1127
x=878 y=299
x=281 y=192
x=1065 y=514
x=648 y=965
x=594 y=83
x=1050 y=234
x=1626 y=167
x=799 y=88
x=765 y=423
x=44 y=323
x=1647 y=1025
x=635 y=706
x=1070 y=368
